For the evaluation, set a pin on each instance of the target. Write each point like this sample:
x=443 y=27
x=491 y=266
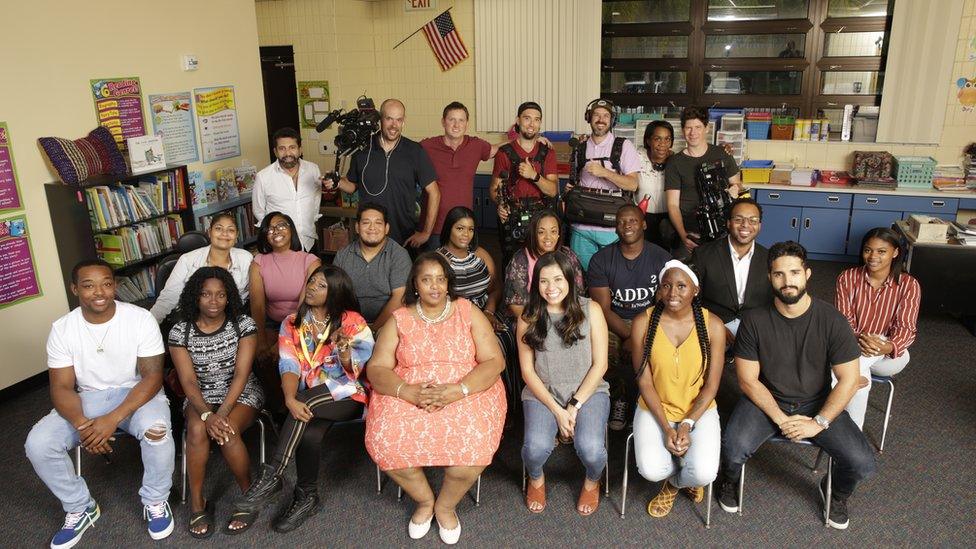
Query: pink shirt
x=284 y=280
x=629 y=161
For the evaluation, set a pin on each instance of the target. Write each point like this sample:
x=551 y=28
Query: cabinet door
x=779 y=223
x=863 y=221
x=824 y=230
x=477 y=203
x=489 y=213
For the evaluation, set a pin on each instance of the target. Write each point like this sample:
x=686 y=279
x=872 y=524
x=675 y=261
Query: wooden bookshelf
x=74 y=233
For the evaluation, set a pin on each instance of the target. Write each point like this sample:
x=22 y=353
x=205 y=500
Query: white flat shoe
x=418 y=531
x=451 y=536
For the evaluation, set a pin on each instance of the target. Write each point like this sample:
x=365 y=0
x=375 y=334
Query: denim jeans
x=589 y=437
x=53 y=437
x=699 y=465
x=749 y=427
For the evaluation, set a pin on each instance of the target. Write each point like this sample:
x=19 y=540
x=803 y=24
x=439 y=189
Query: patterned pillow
x=82 y=158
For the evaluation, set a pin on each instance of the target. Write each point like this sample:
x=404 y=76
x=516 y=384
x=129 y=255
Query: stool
x=623 y=489
x=830 y=469
x=606 y=484
x=891 y=397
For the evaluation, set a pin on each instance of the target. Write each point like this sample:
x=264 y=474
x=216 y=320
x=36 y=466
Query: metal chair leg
x=399 y=493
x=78 y=460
x=477 y=493
x=816 y=464
x=830 y=489
x=708 y=507
x=379 y=480
x=742 y=487
x=261 y=444
x=623 y=488
x=183 y=469
x=884 y=430
x=606 y=444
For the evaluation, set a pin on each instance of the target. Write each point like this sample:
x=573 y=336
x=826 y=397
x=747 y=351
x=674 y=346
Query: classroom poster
x=220 y=137
x=18 y=277
x=313 y=102
x=9 y=188
x=118 y=106
x=172 y=118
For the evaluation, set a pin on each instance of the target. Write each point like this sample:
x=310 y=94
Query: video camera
x=714 y=203
x=356 y=128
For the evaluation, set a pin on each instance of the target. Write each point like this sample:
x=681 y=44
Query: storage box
x=926 y=228
x=781 y=174
x=756 y=171
x=782 y=128
x=732 y=122
x=334 y=237
x=914 y=171
x=758 y=129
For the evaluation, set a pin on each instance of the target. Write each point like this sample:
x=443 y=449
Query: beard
x=288 y=161
x=526 y=135
x=790 y=299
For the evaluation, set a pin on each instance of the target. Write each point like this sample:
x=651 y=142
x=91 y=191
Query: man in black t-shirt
x=784 y=355
x=389 y=173
x=622 y=278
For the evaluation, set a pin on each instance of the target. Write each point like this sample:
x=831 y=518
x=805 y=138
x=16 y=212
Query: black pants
x=303 y=440
x=749 y=427
x=659 y=230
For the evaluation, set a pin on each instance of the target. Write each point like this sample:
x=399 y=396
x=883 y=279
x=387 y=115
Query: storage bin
x=914 y=171
x=782 y=128
x=756 y=171
x=732 y=123
x=758 y=129
x=557 y=137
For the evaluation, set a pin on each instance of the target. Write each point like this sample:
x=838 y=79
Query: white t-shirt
x=131 y=333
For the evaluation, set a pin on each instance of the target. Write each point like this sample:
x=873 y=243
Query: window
x=809 y=57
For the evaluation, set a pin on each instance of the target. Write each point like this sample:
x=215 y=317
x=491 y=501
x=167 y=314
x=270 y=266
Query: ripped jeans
x=53 y=437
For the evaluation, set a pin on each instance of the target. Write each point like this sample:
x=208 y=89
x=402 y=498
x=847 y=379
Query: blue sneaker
x=75 y=525
x=160 y=518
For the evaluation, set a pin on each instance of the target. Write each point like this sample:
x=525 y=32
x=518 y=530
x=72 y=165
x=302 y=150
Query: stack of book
x=132 y=243
x=969 y=165
x=116 y=205
x=136 y=287
x=965 y=234
x=949 y=178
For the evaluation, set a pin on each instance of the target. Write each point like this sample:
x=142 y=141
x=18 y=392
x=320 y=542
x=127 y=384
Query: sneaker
x=160 y=519
x=618 y=415
x=304 y=505
x=259 y=493
x=728 y=496
x=838 y=508
x=75 y=525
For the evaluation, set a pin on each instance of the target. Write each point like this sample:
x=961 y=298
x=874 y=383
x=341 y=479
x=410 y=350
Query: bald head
x=392 y=103
x=392 y=114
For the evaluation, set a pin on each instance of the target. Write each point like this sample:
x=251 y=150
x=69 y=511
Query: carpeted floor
x=922 y=495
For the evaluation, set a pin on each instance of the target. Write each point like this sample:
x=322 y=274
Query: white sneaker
x=450 y=537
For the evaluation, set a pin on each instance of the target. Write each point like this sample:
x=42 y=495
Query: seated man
x=784 y=355
x=113 y=352
x=377 y=265
x=623 y=279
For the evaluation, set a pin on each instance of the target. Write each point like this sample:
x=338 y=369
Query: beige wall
x=50 y=49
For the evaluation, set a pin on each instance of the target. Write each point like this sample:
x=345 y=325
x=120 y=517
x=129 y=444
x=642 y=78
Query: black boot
x=267 y=485
x=304 y=505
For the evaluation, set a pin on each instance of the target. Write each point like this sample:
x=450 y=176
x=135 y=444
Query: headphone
x=603 y=103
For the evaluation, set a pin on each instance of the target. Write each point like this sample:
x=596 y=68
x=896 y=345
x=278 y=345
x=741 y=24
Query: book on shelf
x=151 y=196
x=136 y=242
x=243 y=215
x=210 y=189
x=244 y=177
x=198 y=189
x=226 y=184
x=136 y=286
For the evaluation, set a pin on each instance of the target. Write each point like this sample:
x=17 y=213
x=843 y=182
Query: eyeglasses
x=279 y=228
x=741 y=220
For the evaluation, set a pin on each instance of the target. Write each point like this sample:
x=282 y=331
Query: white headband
x=675 y=264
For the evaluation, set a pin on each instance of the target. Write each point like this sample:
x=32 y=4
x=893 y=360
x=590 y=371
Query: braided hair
x=700 y=328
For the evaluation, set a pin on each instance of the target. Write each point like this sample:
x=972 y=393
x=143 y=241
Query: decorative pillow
x=82 y=158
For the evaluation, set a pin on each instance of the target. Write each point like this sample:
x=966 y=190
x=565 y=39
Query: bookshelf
x=130 y=221
x=240 y=207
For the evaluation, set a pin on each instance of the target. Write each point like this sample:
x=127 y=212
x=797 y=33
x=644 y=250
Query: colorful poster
x=172 y=119
x=18 y=277
x=118 y=106
x=9 y=187
x=220 y=137
x=313 y=102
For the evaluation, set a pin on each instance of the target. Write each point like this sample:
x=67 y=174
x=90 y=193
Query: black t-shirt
x=679 y=175
x=796 y=354
x=393 y=181
x=632 y=283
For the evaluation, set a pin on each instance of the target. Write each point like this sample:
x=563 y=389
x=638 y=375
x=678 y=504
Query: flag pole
x=421 y=28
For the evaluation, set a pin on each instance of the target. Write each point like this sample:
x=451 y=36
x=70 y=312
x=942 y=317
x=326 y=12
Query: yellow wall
x=49 y=51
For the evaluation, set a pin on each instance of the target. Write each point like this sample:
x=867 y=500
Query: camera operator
x=290 y=186
x=388 y=173
x=524 y=179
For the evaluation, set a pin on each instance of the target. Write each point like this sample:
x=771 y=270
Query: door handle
x=871 y=200
x=806 y=223
x=774 y=196
x=833 y=199
x=793 y=223
x=477 y=201
x=938 y=203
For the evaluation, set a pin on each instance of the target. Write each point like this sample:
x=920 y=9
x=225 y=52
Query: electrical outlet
x=323 y=148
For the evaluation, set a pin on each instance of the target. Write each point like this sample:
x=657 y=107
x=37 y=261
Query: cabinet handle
x=806 y=223
x=477 y=202
x=774 y=196
x=871 y=200
x=833 y=199
x=938 y=203
x=793 y=223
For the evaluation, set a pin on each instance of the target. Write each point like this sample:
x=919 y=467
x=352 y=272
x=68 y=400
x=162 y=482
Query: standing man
x=105 y=363
x=389 y=172
x=784 y=355
x=608 y=163
x=524 y=179
x=377 y=265
x=732 y=270
x=291 y=186
x=622 y=278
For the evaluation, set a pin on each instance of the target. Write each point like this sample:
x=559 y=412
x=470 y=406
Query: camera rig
x=356 y=128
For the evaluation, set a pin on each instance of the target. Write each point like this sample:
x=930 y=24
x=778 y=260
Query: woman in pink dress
x=437 y=399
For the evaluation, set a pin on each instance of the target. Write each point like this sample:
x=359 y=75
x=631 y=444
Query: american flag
x=444 y=39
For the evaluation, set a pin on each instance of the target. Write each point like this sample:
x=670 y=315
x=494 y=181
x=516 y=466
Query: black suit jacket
x=713 y=264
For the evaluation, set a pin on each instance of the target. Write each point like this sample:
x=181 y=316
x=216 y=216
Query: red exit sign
x=419 y=5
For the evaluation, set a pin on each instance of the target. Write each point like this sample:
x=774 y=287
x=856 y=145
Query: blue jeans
x=749 y=427
x=586 y=242
x=589 y=437
x=53 y=437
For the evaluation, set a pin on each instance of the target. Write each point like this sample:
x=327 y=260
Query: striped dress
x=471 y=277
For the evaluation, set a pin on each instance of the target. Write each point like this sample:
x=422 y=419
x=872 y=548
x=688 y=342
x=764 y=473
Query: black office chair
x=191 y=240
x=163 y=269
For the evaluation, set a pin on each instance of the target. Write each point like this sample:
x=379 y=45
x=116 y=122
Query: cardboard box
x=926 y=228
x=334 y=237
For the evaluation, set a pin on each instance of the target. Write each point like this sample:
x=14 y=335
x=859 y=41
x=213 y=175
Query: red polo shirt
x=455 y=171
x=525 y=188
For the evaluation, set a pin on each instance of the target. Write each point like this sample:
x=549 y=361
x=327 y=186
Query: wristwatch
x=464 y=390
x=690 y=422
x=821 y=421
x=537 y=177
x=205 y=415
x=574 y=403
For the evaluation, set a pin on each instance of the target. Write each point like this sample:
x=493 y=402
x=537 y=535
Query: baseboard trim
x=24 y=386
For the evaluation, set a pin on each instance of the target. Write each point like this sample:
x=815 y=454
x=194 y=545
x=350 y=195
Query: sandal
x=247 y=517
x=661 y=504
x=588 y=498
x=535 y=497
x=202 y=518
x=696 y=493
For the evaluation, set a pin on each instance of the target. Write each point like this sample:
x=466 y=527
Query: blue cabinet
x=863 y=221
x=485 y=213
x=779 y=223
x=824 y=230
x=818 y=220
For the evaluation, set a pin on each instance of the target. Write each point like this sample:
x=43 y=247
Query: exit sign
x=419 y=5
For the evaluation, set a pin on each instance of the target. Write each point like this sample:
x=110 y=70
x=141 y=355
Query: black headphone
x=603 y=103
